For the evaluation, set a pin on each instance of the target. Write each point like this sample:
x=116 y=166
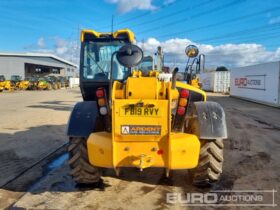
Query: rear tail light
x=184 y=93
x=101 y=102
x=183 y=102
x=103 y=110
x=181 y=110
x=100 y=93
x=160 y=152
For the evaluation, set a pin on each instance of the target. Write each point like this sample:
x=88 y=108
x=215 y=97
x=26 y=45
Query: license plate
x=140 y=112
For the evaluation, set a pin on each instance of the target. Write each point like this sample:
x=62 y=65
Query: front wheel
x=81 y=170
x=210 y=164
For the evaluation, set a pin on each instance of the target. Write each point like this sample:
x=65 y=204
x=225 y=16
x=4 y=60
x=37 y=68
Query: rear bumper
x=176 y=151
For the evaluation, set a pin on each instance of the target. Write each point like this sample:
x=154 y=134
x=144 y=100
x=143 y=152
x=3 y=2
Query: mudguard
x=83 y=119
x=209 y=120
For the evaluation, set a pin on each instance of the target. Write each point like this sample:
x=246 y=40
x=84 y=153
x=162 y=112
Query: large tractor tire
x=210 y=163
x=81 y=170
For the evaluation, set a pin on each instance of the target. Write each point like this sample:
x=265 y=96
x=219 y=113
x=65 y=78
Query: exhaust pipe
x=175 y=71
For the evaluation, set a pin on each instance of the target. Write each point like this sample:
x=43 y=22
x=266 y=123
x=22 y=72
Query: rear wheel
x=210 y=163
x=81 y=170
x=49 y=86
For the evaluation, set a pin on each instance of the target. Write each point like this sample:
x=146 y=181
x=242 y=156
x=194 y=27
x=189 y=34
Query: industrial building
x=31 y=64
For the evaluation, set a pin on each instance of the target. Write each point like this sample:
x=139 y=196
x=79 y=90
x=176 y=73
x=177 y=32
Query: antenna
x=143 y=45
x=112 y=24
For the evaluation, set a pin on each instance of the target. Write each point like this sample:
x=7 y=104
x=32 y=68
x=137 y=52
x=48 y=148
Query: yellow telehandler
x=2 y=82
x=128 y=119
x=6 y=84
x=15 y=80
x=29 y=83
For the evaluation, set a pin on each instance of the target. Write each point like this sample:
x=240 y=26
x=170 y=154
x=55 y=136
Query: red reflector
x=160 y=152
x=181 y=110
x=185 y=93
x=100 y=93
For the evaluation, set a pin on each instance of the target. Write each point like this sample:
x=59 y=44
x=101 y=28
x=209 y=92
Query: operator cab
x=95 y=64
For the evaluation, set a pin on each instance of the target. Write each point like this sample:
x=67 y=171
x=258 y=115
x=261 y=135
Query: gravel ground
x=32 y=125
x=251 y=163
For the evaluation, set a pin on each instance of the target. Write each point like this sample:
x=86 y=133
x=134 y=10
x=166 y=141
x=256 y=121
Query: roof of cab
x=117 y=34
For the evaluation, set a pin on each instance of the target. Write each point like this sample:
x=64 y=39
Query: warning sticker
x=140 y=130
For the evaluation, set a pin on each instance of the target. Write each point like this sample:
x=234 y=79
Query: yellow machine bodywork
x=24 y=84
x=141 y=129
x=196 y=83
x=116 y=34
x=44 y=85
x=2 y=86
x=7 y=85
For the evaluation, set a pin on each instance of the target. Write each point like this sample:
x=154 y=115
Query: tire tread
x=81 y=170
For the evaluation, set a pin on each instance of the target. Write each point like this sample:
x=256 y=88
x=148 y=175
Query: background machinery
x=44 y=84
x=6 y=84
x=2 y=83
x=194 y=66
x=56 y=84
x=29 y=83
x=128 y=119
x=15 y=80
x=64 y=82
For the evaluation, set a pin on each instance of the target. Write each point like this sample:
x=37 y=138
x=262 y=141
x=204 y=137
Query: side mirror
x=191 y=51
x=201 y=62
x=130 y=55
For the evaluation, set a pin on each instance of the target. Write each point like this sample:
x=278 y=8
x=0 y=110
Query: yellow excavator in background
x=2 y=83
x=131 y=119
x=15 y=80
x=6 y=84
x=29 y=83
x=24 y=84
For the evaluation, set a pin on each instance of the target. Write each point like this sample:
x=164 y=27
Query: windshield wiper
x=92 y=58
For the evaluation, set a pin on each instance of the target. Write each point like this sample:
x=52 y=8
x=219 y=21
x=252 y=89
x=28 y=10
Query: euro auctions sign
x=256 y=82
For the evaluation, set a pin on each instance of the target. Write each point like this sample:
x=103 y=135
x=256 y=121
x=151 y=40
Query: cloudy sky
x=229 y=32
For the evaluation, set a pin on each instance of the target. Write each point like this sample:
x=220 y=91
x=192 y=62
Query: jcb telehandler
x=16 y=79
x=29 y=83
x=6 y=84
x=128 y=119
x=2 y=82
